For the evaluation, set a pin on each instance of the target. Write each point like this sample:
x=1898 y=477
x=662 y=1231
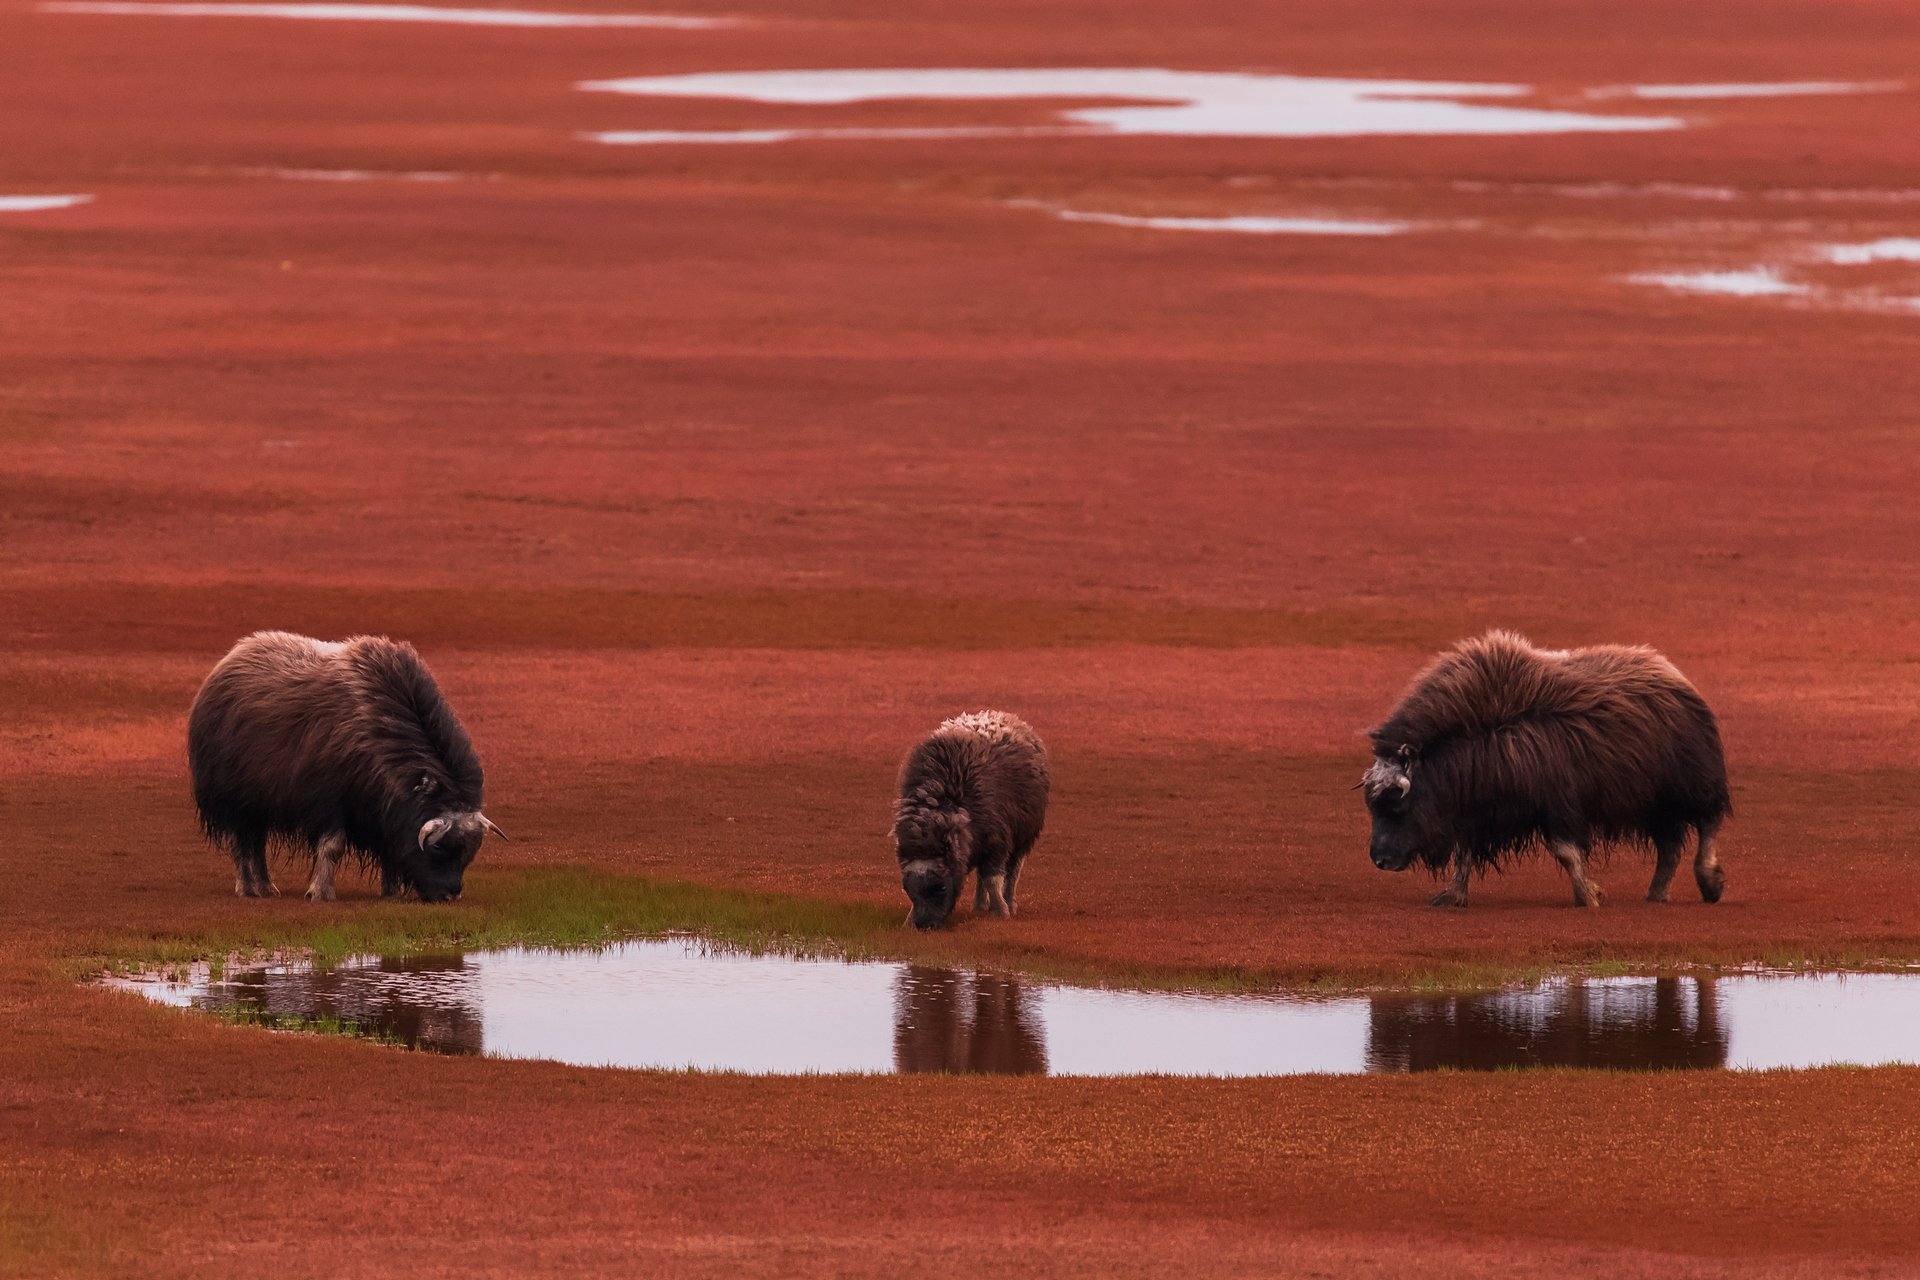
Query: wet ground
x=676 y=1004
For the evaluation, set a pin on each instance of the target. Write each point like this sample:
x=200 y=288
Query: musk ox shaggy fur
x=335 y=748
x=1498 y=749
x=973 y=797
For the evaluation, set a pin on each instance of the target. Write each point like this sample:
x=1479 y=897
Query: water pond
x=678 y=1003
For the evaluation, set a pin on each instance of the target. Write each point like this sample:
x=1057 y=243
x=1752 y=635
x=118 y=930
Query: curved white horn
x=432 y=829
x=1404 y=783
x=488 y=822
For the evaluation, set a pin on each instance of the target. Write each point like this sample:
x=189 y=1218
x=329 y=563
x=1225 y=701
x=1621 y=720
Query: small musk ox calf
x=973 y=797
x=1499 y=747
x=337 y=747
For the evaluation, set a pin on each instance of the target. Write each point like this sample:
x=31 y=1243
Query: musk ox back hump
x=984 y=760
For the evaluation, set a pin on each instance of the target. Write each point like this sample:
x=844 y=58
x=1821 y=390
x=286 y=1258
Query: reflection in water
x=676 y=1004
x=1637 y=1024
x=424 y=1002
x=951 y=1020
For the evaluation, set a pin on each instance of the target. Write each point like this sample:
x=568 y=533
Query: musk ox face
x=1405 y=829
x=933 y=851
x=447 y=845
x=933 y=888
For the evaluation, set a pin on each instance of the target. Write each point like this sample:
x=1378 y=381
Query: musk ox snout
x=447 y=846
x=1389 y=791
x=932 y=890
x=1389 y=856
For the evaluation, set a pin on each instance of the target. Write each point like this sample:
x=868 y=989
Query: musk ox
x=973 y=797
x=336 y=748
x=1499 y=748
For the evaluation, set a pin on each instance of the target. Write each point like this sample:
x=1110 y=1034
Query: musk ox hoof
x=320 y=895
x=1712 y=886
x=1656 y=895
x=1447 y=898
x=1589 y=895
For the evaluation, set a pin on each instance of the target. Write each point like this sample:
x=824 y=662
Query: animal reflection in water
x=1662 y=1023
x=426 y=1002
x=945 y=1020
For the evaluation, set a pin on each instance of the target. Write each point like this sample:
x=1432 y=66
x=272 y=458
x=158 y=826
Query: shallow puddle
x=320 y=11
x=1763 y=89
x=675 y=1003
x=1146 y=101
x=1244 y=225
x=37 y=204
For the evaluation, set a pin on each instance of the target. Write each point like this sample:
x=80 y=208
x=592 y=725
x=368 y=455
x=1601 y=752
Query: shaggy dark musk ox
x=337 y=748
x=973 y=797
x=1499 y=748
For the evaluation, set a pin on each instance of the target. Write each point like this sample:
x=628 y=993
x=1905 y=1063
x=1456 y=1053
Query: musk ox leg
x=1455 y=894
x=326 y=857
x=989 y=895
x=1574 y=860
x=1013 y=883
x=1668 y=848
x=251 y=878
x=1706 y=869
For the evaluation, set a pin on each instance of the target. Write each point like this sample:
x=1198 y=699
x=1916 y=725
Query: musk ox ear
x=424 y=787
x=433 y=829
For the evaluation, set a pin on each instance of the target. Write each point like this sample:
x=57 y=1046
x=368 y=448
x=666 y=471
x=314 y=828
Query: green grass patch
x=576 y=907
x=542 y=908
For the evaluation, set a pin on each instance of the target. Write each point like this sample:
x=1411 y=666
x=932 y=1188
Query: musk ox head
x=437 y=865
x=934 y=848
x=1405 y=819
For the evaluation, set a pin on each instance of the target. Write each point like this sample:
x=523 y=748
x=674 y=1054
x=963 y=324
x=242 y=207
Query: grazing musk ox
x=337 y=747
x=1498 y=748
x=973 y=797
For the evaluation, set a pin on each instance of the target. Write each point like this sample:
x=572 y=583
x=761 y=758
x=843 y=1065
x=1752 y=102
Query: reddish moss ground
x=709 y=477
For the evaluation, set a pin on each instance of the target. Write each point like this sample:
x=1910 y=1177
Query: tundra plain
x=708 y=475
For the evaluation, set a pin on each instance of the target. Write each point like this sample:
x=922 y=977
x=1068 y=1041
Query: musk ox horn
x=487 y=822
x=1404 y=783
x=433 y=829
